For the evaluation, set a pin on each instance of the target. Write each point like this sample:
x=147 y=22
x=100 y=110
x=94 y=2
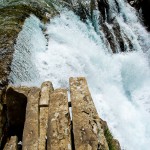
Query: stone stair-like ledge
x=46 y=124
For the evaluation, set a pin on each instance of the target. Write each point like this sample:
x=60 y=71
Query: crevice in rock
x=103 y=7
x=15 y=109
x=4 y=135
x=72 y=137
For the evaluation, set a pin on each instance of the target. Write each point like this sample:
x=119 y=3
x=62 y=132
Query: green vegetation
x=112 y=143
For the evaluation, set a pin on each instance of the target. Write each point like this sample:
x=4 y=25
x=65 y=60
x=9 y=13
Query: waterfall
x=119 y=83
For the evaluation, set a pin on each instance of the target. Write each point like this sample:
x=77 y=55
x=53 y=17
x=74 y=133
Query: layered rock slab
x=46 y=90
x=59 y=136
x=88 y=133
x=31 y=127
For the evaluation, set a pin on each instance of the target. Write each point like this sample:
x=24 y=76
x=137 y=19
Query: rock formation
x=40 y=119
x=12 y=16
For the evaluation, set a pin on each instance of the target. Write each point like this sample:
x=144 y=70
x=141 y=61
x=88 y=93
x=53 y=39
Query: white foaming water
x=30 y=40
x=119 y=83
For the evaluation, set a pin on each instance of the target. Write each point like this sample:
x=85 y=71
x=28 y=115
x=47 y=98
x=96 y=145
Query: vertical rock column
x=31 y=127
x=11 y=144
x=87 y=130
x=46 y=90
x=59 y=136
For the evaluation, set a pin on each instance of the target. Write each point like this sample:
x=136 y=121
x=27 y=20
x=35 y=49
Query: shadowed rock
x=16 y=110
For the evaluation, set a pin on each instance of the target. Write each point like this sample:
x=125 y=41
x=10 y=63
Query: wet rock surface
x=144 y=6
x=107 y=23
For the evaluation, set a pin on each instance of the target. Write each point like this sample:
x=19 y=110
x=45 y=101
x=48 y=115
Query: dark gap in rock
x=72 y=137
x=46 y=145
x=4 y=137
x=145 y=5
x=103 y=7
x=15 y=109
x=69 y=104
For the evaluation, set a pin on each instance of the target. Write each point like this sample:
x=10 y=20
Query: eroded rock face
x=31 y=127
x=46 y=90
x=87 y=126
x=16 y=108
x=17 y=11
x=86 y=123
x=59 y=136
x=40 y=118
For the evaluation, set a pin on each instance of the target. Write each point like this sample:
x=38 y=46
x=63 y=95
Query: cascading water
x=120 y=83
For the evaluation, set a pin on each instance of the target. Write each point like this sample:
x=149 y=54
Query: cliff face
x=40 y=119
x=12 y=16
x=100 y=13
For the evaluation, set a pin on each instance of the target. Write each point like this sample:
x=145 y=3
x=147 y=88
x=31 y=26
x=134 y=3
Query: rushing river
x=119 y=83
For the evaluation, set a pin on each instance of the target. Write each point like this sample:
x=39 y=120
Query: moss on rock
x=113 y=144
x=12 y=16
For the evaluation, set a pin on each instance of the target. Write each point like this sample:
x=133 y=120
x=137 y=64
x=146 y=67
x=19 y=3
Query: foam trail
x=120 y=83
x=30 y=40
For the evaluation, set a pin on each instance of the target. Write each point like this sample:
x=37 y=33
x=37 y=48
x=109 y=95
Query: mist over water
x=119 y=83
